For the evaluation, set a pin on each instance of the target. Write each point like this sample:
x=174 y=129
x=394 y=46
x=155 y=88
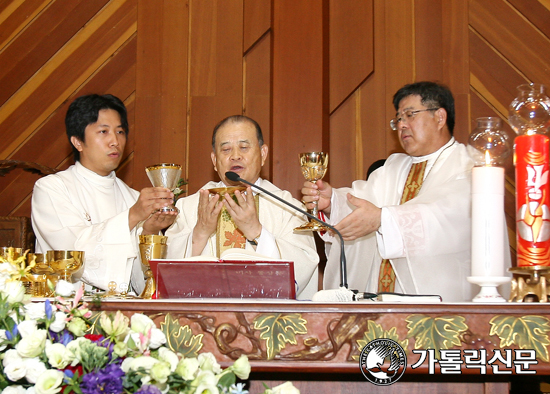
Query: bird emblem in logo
x=383 y=362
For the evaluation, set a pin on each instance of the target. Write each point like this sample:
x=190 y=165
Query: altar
x=478 y=348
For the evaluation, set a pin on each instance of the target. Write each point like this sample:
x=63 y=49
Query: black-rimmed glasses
x=408 y=116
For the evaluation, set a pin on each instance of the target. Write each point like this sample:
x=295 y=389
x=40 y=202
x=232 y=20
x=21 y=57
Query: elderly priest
x=407 y=228
x=251 y=221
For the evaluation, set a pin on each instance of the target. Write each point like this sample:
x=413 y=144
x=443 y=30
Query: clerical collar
x=105 y=181
x=433 y=156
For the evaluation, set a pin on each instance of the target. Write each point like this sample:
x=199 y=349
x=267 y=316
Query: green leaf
x=227 y=379
x=528 y=332
x=278 y=329
x=375 y=331
x=435 y=332
x=181 y=339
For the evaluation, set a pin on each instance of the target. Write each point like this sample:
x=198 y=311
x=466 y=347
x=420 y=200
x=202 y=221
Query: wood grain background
x=316 y=74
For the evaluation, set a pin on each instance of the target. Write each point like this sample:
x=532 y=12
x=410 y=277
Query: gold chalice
x=65 y=262
x=165 y=175
x=151 y=247
x=39 y=274
x=314 y=166
x=9 y=252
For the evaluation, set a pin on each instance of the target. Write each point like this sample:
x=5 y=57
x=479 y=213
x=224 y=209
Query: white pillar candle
x=488 y=222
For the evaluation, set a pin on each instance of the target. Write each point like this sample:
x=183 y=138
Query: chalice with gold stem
x=314 y=166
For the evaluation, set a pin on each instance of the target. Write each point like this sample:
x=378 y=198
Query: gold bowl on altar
x=65 y=262
x=227 y=190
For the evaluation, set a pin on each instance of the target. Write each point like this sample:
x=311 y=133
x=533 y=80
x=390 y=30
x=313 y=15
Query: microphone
x=341 y=294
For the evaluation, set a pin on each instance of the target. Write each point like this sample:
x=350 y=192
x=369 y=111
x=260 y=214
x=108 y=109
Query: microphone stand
x=343 y=267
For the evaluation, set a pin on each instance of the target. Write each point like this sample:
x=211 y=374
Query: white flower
x=187 y=368
x=64 y=288
x=31 y=390
x=141 y=324
x=120 y=349
x=77 y=326
x=15 y=291
x=206 y=382
x=27 y=328
x=116 y=327
x=15 y=370
x=125 y=366
x=6 y=271
x=241 y=367
x=59 y=323
x=35 y=310
x=32 y=345
x=59 y=356
x=2 y=338
x=9 y=356
x=143 y=362
x=157 y=338
x=285 y=388
x=208 y=362
x=160 y=372
x=49 y=382
x=34 y=368
x=169 y=356
x=14 y=390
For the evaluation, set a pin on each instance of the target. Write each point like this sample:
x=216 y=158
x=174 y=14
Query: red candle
x=532 y=200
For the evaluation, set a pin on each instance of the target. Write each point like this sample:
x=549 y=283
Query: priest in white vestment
x=427 y=239
x=266 y=224
x=87 y=208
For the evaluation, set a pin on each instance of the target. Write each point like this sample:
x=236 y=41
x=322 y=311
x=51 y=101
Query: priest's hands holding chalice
x=155 y=205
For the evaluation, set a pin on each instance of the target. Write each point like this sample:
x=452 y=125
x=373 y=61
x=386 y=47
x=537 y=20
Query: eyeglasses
x=408 y=116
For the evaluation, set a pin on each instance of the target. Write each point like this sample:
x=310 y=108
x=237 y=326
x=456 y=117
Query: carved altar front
x=312 y=342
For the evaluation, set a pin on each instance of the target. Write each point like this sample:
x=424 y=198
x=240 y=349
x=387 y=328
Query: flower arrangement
x=54 y=347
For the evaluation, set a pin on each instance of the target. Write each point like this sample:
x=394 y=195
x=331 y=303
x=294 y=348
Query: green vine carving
x=278 y=329
x=528 y=332
x=181 y=339
x=375 y=331
x=436 y=332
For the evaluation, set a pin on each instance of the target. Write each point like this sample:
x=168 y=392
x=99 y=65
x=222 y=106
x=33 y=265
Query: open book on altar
x=238 y=273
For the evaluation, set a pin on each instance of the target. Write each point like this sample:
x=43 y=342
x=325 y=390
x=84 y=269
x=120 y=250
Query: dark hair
x=238 y=119
x=432 y=95
x=84 y=111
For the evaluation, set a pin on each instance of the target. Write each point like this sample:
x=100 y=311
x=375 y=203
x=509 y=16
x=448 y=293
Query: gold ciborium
x=165 y=175
x=8 y=252
x=39 y=274
x=314 y=166
x=65 y=262
x=151 y=247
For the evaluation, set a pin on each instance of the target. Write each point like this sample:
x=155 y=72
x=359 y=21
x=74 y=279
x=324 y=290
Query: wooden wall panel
x=216 y=79
x=513 y=36
x=257 y=91
x=351 y=45
x=45 y=90
x=300 y=90
x=257 y=21
x=41 y=40
x=161 y=86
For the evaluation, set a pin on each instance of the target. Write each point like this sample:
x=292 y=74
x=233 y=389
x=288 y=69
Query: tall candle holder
x=529 y=117
x=488 y=146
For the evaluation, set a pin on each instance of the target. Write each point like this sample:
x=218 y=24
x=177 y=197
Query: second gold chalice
x=65 y=262
x=314 y=166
